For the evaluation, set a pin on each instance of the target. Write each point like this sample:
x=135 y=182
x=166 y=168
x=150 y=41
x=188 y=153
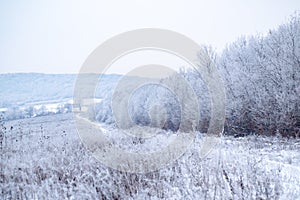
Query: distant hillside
x=17 y=89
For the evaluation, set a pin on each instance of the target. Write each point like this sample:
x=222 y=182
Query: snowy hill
x=18 y=89
x=33 y=94
x=22 y=88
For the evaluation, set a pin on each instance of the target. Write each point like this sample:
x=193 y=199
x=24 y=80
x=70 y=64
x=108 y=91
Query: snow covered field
x=43 y=158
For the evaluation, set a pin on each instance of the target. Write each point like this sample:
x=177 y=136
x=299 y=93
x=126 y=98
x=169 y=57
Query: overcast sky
x=57 y=36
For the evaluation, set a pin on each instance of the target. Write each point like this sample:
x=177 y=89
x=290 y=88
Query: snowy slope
x=24 y=95
x=16 y=89
x=22 y=88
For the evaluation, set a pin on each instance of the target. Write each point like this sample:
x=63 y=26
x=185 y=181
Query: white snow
x=43 y=157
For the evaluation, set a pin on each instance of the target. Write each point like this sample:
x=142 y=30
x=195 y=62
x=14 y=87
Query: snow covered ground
x=43 y=158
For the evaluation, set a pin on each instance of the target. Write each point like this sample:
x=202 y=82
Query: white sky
x=57 y=36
